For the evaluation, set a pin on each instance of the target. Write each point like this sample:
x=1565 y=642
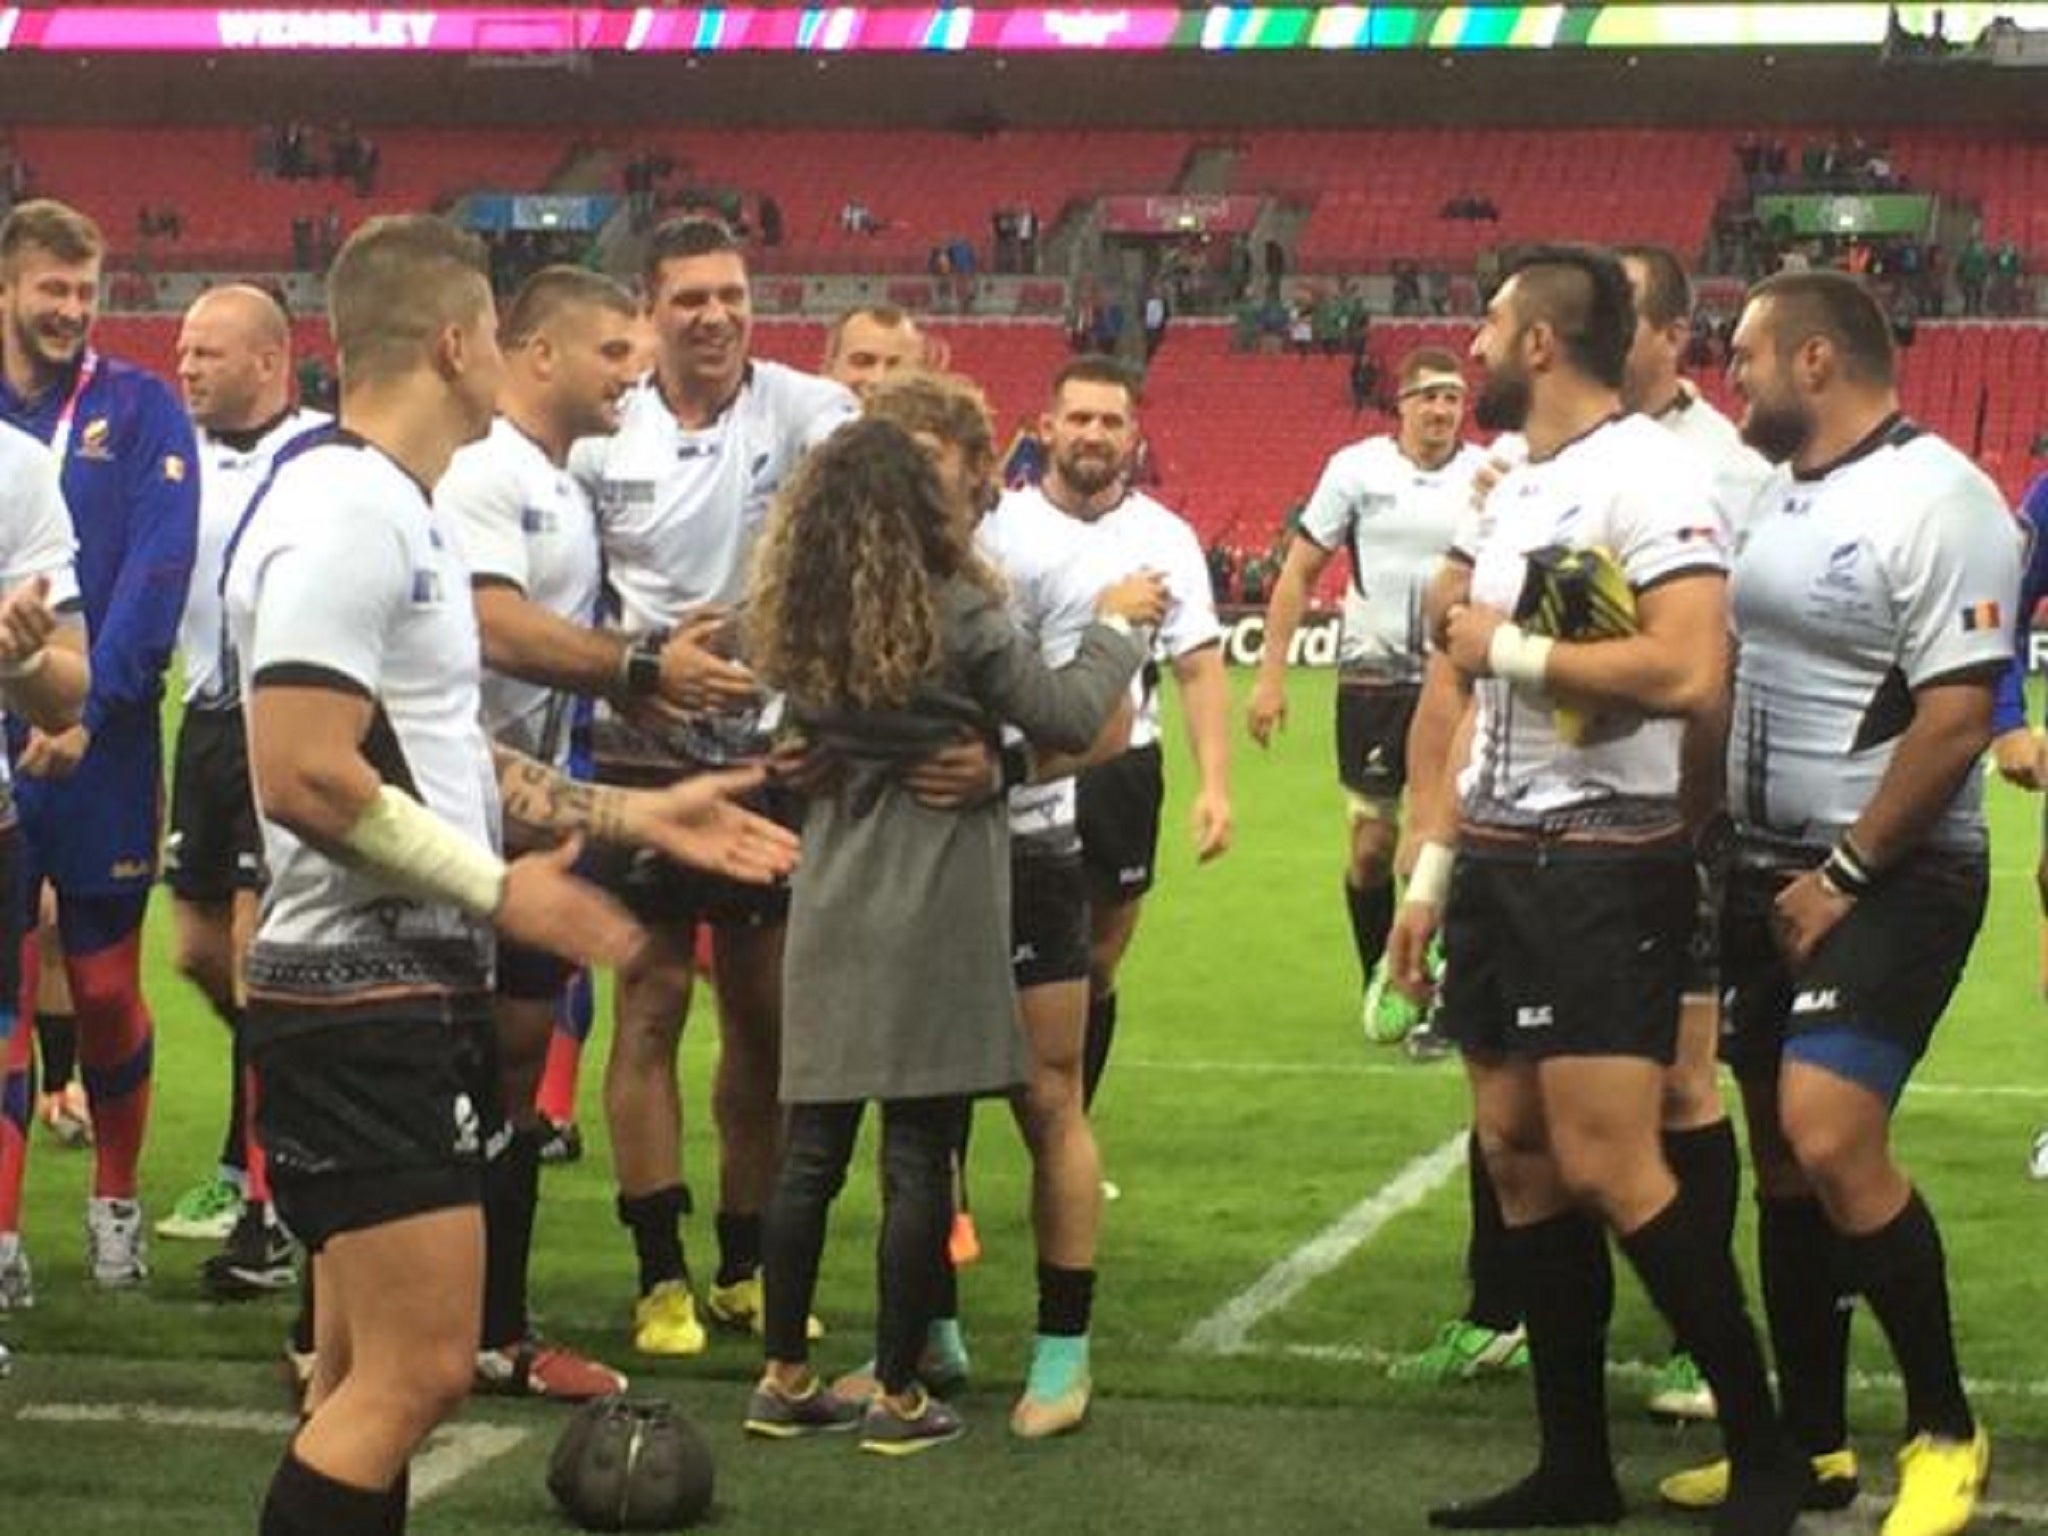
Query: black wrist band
x=1845 y=870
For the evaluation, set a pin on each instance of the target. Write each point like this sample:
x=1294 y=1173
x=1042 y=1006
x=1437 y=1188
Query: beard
x=1090 y=474
x=1777 y=430
x=47 y=348
x=1502 y=404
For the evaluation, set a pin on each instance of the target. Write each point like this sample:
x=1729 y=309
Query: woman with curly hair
x=870 y=610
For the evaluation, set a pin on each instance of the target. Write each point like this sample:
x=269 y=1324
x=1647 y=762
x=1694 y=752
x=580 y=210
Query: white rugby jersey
x=1627 y=487
x=35 y=540
x=1138 y=533
x=679 y=509
x=228 y=477
x=344 y=571
x=1054 y=573
x=1739 y=471
x=1895 y=567
x=1395 y=519
x=525 y=521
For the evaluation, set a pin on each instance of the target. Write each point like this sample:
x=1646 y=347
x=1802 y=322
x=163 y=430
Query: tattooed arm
x=698 y=821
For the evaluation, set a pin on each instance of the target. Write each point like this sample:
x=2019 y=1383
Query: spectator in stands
x=1003 y=224
x=1973 y=270
x=1109 y=325
x=1156 y=315
x=1437 y=285
x=1356 y=317
x=857 y=218
x=1301 y=326
x=302 y=243
x=1365 y=380
x=1027 y=237
x=771 y=221
x=1933 y=281
x=1407 y=289
x=2006 y=271
x=1240 y=269
x=330 y=237
x=1081 y=322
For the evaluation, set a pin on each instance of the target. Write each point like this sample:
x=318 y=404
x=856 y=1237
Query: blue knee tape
x=1879 y=1065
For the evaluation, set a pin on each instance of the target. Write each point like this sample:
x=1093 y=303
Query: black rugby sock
x=1496 y=1289
x=511 y=1197
x=1692 y=1279
x=1372 y=919
x=57 y=1045
x=1902 y=1271
x=656 y=1222
x=1570 y=1293
x=1709 y=1171
x=1066 y=1301
x=303 y=1502
x=234 y=1144
x=1799 y=1256
x=739 y=1246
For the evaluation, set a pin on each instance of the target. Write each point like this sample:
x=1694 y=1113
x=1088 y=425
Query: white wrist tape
x=1518 y=656
x=1431 y=881
x=28 y=666
x=413 y=848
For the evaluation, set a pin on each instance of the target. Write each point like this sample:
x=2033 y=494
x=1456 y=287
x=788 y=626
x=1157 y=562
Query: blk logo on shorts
x=1536 y=1017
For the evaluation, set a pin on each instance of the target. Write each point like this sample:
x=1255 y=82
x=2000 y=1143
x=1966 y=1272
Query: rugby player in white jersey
x=866 y=346
x=1873 y=599
x=235 y=372
x=1090 y=429
x=369 y=1027
x=1699 y=1140
x=682 y=489
x=43 y=678
x=1571 y=890
x=530 y=535
x=1390 y=503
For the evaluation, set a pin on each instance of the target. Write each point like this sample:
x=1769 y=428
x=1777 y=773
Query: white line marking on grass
x=1416 y=1072
x=453 y=1451
x=1636 y=1371
x=230 y=1420
x=456 y=1451
x=1225 y=1330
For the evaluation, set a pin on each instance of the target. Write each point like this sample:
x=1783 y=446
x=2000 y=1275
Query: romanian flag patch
x=1980 y=616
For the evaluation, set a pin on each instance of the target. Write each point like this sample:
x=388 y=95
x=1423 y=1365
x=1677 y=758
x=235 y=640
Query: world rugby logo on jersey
x=1840 y=574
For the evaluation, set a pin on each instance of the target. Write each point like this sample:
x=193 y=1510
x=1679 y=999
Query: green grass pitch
x=1243 y=1116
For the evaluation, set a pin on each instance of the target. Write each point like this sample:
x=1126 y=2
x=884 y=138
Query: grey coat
x=896 y=977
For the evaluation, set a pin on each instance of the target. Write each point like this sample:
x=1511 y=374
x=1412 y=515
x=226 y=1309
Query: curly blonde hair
x=842 y=606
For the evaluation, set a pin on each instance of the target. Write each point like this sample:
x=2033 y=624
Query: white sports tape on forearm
x=413 y=848
x=1518 y=656
x=1431 y=880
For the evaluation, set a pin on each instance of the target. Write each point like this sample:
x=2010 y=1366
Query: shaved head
x=234 y=359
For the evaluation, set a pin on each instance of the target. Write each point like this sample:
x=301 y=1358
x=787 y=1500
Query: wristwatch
x=640 y=670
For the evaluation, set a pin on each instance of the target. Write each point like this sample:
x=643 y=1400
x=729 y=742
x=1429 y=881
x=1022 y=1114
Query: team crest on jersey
x=1840 y=574
x=426 y=587
x=174 y=468
x=95 y=440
